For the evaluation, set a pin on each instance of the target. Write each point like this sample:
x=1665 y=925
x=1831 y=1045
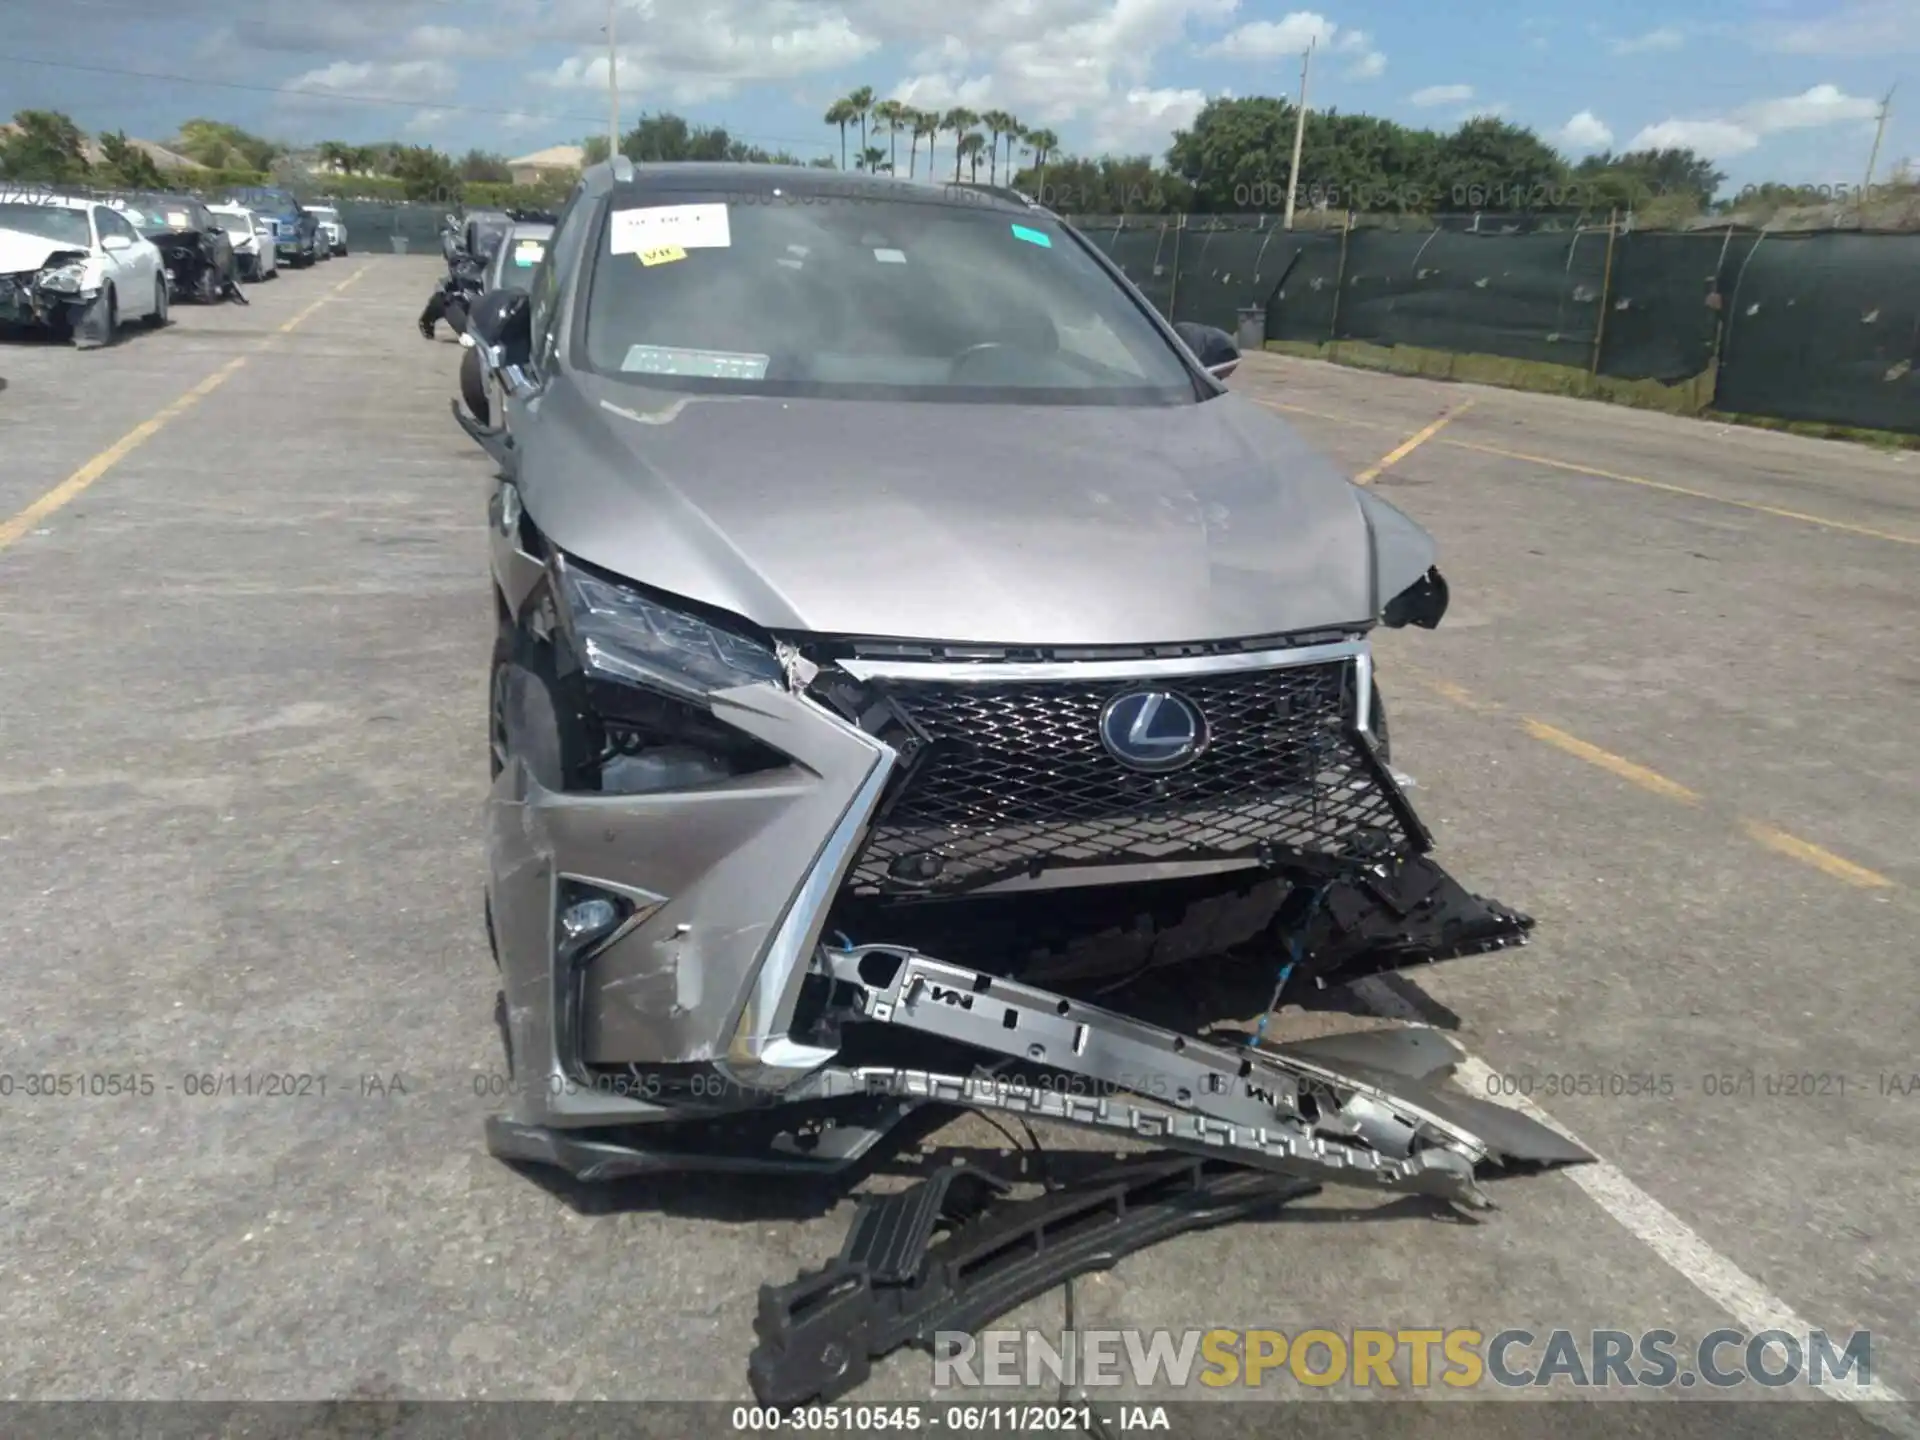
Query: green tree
x=596 y=150
x=957 y=122
x=862 y=102
x=842 y=113
x=45 y=146
x=927 y=123
x=221 y=146
x=998 y=123
x=969 y=148
x=1643 y=175
x=425 y=174
x=485 y=167
x=126 y=165
x=891 y=117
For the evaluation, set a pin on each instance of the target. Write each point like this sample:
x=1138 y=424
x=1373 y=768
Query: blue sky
x=1775 y=89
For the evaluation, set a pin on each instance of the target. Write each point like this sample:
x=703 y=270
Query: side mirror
x=1213 y=347
x=115 y=242
x=501 y=324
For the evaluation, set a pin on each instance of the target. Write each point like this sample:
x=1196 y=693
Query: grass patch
x=1692 y=397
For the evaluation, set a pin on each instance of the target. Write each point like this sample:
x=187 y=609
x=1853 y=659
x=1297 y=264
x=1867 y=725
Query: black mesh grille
x=1014 y=779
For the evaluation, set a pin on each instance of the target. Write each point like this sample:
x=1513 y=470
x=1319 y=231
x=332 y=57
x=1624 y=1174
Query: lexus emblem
x=1152 y=730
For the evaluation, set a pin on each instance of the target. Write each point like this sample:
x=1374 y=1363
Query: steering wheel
x=960 y=361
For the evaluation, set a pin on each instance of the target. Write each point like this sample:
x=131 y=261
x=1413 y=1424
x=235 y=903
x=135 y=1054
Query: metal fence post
x=1606 y=292
x=1173 y=290
x=1339 y=278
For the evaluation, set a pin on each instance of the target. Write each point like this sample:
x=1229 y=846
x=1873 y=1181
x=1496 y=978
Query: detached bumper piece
x=1369 y=1112
x=1401 y=913
x=893 y=1284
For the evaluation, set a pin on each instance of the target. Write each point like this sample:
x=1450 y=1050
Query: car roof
x=41 y=197
x=721 y=176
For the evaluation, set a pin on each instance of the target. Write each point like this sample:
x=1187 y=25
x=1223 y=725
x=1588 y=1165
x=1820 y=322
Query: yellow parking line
x=1672 y=489
x=80 y=480
x=1808 y=853
x=1412 y=443
x=76 y=484
x=1618 y=764
x=1576 y=468
x=1772 y=837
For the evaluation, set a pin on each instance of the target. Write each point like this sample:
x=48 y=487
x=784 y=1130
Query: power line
x=594 y=120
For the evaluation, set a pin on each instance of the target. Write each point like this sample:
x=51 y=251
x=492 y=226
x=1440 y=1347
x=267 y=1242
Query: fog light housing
x=586 y=920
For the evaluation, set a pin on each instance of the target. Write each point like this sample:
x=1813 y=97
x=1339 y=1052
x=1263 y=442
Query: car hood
x=989 y=524
x=20 y=251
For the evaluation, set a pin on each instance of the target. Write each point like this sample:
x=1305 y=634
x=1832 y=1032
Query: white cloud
x=1715 y=139
x=1369 y=66
x=1585 y=131
x=689 y=51
x=1722 y=136
x=1442 y=95
x=410 y=80
x=1821 y=105
x=1664 y=38
x=427 y=122
x=1089 y=68
x=1271 y=39
x=1145 y=120
x=1856 y=27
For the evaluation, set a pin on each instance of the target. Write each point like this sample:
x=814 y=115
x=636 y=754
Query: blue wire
x=1294 y=944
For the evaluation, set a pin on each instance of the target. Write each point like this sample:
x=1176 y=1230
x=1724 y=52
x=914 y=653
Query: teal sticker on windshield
x=1033 y=237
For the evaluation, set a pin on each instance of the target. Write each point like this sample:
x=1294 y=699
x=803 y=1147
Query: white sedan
x=76 y=267
x=253 y=240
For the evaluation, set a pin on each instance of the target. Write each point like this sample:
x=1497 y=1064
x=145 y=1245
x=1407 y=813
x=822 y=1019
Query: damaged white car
x=76 y=267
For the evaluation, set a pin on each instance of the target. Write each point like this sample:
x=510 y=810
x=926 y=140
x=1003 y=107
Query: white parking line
x=1749 y=1302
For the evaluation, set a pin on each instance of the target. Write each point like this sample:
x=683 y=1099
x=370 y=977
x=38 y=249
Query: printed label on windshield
x=690 y=227
x=528 y=253
x=177 y=219
x=701 y=364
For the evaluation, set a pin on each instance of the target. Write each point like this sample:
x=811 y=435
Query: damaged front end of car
x=201 y=266
x=748 y=890
x=761 y=901
x=61 y=295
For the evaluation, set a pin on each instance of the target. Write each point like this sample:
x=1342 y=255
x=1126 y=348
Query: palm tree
x=971 y=144
x=998 y=123
x=925 y=122
x=841 y=113
x=872 y=158
x=862 y=102
x=1044 y=143
x=893 y=116
x=959 y=121
x=334 y=156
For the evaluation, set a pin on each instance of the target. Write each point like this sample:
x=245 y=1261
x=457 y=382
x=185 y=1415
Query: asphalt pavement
x=244 y=627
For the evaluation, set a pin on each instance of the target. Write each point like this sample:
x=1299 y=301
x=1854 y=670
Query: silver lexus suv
x=904 y=645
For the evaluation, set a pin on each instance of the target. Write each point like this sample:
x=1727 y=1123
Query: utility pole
x=1879 y=131
x=1299 y=134
x=613 y=85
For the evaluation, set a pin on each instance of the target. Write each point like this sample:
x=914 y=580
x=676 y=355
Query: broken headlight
x=68 y=279
x=646 y=673
x=619 y=634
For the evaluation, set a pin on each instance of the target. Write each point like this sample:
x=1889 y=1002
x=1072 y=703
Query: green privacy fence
x=1822 y=326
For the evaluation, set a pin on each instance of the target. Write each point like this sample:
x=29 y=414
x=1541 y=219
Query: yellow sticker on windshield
x=662 y=255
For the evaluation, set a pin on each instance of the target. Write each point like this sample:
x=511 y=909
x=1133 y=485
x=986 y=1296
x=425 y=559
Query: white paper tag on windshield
x=691 y=227
x=891 y=257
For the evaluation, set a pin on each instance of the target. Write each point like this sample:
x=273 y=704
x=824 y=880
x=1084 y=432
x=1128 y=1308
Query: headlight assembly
x=620 y=635
x=68 y=279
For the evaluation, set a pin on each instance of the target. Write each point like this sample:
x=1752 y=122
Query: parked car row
x=84 y=266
